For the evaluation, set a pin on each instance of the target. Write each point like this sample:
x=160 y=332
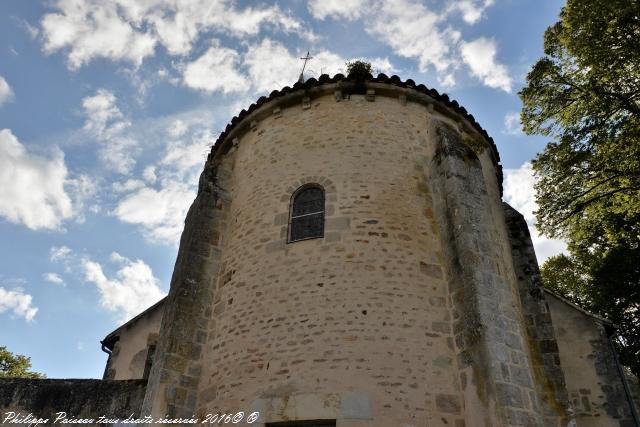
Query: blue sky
x=108 y=108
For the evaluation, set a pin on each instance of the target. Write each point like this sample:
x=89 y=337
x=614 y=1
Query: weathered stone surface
x=78 y=398
x=551 y=392
x=448 y=403
x=487 y=327
x=408 y=311
x=348 y=314
x=357 y=406
x=132 y=345
x=431 y=270
x=594 y=382
x=188 y=305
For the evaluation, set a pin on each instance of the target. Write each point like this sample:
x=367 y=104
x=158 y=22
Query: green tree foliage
x=585 y=94
x=564 y=276
x=16 y=365
x=358 y=68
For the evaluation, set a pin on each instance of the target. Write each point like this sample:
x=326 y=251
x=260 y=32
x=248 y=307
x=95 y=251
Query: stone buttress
x=177 y=367
x=410 y=310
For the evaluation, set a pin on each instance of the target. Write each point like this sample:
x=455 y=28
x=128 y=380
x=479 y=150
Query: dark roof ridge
x=380 y=78
x=109 y=340
x=580 y=309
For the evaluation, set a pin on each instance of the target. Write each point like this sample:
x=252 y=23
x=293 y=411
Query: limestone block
x=356 y=405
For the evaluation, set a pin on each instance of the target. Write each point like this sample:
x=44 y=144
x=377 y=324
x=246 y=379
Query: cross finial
x=306 y=58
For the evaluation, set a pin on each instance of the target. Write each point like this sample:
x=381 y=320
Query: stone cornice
x=339 y=85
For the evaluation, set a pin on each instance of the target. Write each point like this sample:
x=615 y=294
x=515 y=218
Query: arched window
x=306 y=220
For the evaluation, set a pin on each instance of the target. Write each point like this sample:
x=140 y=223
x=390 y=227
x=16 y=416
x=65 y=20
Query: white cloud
x=178 y=128
x=161 y=205
x=448 y=81
x=185 y=159
x=512 y=124
x=382 y=65
x=63 y=255
x=106 y=122
x=92 y=29
x=480 y=56
x=519 y=191
x=82 y=188
x=126 y=186
x=18 y=302
x=520 y=194
x=326 y=62
x=59 y=253
x=32 y=31
x=161 y=212
x=271 y=65
x=215 y=70
x=6 y=94
x=53 y=278
x=149 y=174
x=118 y=154
x=471 y=10
x=104 y=118
x=129 y=30
x=414 y=31
x=348 y=9
x=132 y=289
x=36 y=189
x=32 y=187
x=424 y=32
x=179 y=24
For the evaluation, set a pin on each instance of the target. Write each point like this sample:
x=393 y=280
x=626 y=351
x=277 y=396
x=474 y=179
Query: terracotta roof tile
x=381 y=78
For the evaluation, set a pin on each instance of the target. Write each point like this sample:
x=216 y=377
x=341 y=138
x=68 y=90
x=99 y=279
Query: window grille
x=307 y=214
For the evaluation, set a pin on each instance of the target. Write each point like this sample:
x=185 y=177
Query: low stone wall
x=82 y=398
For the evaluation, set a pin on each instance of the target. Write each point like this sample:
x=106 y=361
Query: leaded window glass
x=307 y=213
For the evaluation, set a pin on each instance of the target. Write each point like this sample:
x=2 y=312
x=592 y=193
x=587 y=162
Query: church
x=349 y=262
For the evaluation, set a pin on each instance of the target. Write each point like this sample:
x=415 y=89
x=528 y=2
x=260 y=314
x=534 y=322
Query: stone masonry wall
x=177 y=367
x=88 y=399
x=593 y=381
x=495 y=369
x=551 y=392
x=355 y=326
x=634 y=388
x=405 y=313
x=129 y=355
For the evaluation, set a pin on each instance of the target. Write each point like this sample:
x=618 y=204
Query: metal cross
x=306 y=58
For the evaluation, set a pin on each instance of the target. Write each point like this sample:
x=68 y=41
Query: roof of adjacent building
x=580 y=309
x=114 y=335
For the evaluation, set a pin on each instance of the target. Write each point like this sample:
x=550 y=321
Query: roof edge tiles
x=580 y=309
x=112 y=336
x=359 y=84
